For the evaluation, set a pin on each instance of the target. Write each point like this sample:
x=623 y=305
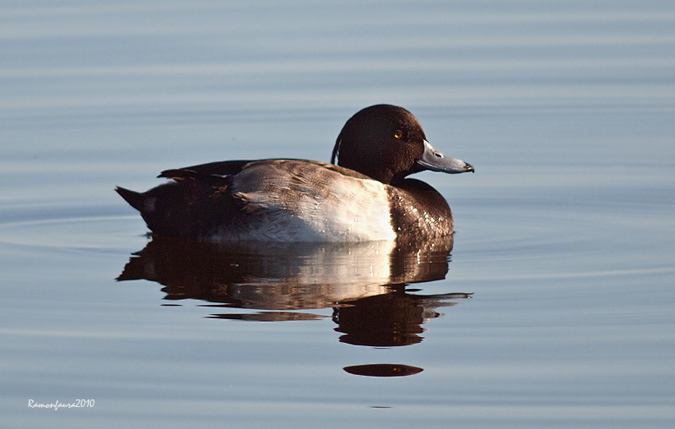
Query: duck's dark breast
x=418 y=211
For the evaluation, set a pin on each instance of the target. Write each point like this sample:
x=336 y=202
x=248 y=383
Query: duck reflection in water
x=364 y=283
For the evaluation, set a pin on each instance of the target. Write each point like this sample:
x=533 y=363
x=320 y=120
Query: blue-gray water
x=565 y=234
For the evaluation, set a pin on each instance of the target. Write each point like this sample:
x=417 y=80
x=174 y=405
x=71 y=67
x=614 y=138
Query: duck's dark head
x=387 y=143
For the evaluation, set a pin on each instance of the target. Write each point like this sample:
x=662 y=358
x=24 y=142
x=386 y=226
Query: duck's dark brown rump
x=189 y=207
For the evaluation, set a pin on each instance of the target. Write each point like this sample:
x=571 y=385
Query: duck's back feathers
x=268 y=200
x=221 y=168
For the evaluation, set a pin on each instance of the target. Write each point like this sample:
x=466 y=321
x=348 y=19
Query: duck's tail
x=135 y=199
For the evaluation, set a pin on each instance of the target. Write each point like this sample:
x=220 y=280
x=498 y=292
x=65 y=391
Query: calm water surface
x=553 y=309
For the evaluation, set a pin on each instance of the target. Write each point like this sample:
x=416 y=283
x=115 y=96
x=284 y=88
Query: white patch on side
x=301 y=201
x=359 y=212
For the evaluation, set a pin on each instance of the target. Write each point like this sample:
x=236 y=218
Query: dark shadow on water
x=383 y=370
x=364 y=284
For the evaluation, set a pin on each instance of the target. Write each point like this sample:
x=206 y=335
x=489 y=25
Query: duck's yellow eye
x=398 y=134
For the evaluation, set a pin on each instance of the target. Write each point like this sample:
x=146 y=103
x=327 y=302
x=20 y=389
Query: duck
x=365 y=196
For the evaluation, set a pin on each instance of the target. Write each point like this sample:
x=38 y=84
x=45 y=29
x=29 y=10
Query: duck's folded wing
x=212 y=171
x=313 y=201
